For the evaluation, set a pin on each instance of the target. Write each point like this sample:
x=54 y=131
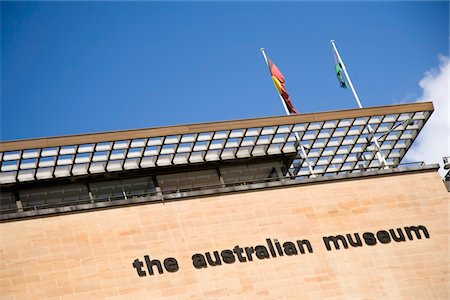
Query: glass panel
x=53 y=195
x=250 y=172
x=7 y=201
x=121 y=189
x=188 y=180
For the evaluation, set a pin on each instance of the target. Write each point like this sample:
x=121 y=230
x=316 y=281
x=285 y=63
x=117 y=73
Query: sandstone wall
x=89 y=255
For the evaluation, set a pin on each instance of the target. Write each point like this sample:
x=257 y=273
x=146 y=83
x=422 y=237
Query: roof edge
x=107 y=136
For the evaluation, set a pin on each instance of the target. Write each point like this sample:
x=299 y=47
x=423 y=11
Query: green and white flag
x=339 y=71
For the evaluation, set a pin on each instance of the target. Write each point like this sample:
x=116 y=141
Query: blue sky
x=79 y=67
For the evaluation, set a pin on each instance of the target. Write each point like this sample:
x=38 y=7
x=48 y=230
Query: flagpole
x=295 y=133
x=380 y=156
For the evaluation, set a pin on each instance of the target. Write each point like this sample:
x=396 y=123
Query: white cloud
x=433 y=141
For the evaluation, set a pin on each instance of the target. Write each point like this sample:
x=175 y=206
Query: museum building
x=310 y=206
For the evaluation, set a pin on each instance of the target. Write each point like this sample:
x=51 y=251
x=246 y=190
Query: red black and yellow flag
x=278 y=81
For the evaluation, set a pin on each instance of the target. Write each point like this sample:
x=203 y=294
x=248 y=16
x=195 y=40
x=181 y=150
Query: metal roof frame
x=336 y=142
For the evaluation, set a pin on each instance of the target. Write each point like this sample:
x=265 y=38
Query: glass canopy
x=335 y=142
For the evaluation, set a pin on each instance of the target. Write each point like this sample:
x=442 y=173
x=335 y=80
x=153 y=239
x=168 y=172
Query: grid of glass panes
x=348 y=145
x=333 y=146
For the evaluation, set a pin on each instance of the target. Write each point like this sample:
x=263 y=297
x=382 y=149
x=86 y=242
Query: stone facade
x=90 y=255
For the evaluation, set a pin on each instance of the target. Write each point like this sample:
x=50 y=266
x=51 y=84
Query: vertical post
x=18 y=201
x=278 y=173
x=158 y=189
x=91 y=195
x=380 y=156
x=222 y=182
x=296 y=134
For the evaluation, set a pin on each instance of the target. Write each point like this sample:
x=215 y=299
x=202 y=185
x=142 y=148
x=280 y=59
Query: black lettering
x=228 y=256
x=289 y=248
x=358 y=242
x=416 y=230
x=199 y=261
x=238 y=250
x=369 y=238
x=271 y=249
x=137 y=264
x=383 y=237
x=302 y=243
x=277 y=244
x=171 y=264
x=151 y=263
x=211 y=262
x=401 y=236
x=335 y=240
x=261 y=252
x=249 y=251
